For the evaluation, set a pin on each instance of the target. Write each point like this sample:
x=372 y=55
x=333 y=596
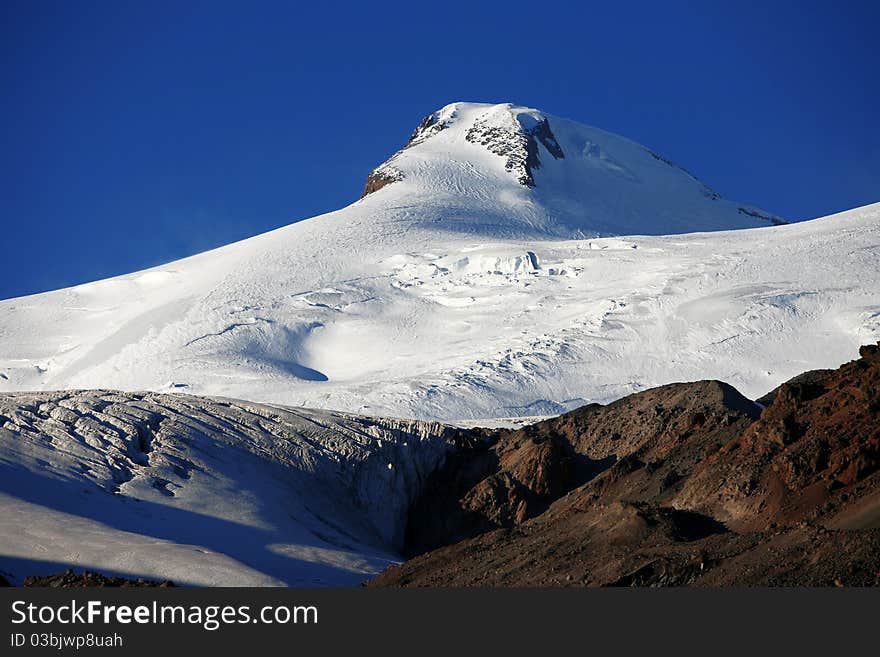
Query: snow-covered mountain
x=467 y=284
x=509 y=171
x=503 y=263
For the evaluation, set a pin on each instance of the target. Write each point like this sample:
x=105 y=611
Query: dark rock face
x=387 y=174
x=428 y=127
x=377 y=179
x=68 y=579
x=750 y=212
x=805 y=377
x=680 y=485
x=499 y=483
x=518 y=144
x=813 y=456
x=708 y=192
x=515 y=475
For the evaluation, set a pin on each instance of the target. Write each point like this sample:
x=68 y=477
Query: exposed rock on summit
x=511 y=135
x=516 y=140
x=547 y=172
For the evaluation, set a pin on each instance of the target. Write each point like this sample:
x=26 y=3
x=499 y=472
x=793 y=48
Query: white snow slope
x=204 y=491
x=454 y=293
x=471 y=286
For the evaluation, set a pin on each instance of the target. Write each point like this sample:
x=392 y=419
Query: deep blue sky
x=137 y=132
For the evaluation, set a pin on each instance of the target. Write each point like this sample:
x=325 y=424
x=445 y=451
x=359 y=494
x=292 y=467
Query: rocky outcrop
x=809 y=377
x=753 y=212
x=379 y=178
x=680 y=485
x=516 y=475
x=517 y=143
x=813 y=456
x=386 y=173
x=68 y=579
x=429 y=126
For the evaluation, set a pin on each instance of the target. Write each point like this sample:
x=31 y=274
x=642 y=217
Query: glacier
x=422 y=299
x=229 y=418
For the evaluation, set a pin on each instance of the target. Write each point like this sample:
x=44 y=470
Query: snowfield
x=450 y=293
x=506 y=263
x=205 y=491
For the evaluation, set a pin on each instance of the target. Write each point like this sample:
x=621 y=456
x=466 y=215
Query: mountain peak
x=514 y=134
x=506 y=130
x=567 y=177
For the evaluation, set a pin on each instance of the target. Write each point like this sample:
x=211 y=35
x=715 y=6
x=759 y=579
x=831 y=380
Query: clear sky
x=134 y=133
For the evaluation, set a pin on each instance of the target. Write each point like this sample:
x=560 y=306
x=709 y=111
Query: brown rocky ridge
x=387 y=173
x=377 y=179
x=68 y=579
x=685 y=484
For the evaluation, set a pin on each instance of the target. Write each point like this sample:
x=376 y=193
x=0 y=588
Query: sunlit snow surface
x=449 y=294
x=455 y=293
x=341 y=313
